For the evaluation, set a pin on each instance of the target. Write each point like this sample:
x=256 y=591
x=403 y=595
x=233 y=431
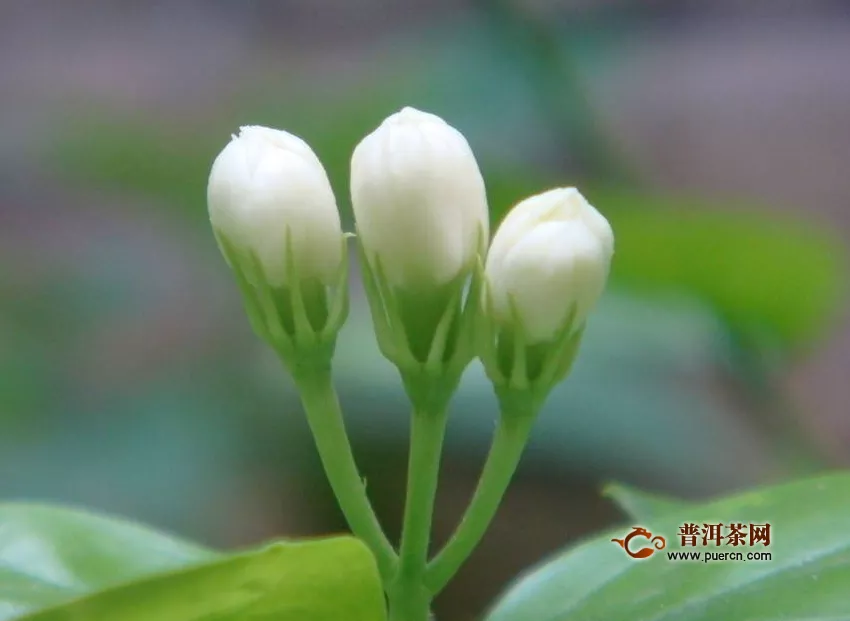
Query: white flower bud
x=265 y=181
x=419 y=200
x=551 y=253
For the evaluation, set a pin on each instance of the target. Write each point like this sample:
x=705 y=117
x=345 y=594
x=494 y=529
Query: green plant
x=438 y=299
x=422 y=223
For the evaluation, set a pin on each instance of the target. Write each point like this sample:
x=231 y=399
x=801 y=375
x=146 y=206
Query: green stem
x=505 y=452
x=409 y=599
x=325 y=418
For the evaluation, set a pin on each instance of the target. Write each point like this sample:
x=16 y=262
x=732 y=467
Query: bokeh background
x=715 y=135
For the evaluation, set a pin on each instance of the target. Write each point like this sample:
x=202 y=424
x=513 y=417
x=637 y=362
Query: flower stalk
x=506 y=450
x=328 y=428
x=408 y=597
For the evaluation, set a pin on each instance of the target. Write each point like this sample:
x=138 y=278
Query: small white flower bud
x=551 y=253
x=265 y=181
x=419 y=200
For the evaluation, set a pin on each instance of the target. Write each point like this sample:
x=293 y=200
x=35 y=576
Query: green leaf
x=807 y=577
x=58 y=564
x=763 y=273
x=641 y=505
x=53 y=554
x=322 y=580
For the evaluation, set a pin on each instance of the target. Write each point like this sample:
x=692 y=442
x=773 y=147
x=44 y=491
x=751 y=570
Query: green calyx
x=425 y=333
x=518 y=367
x=300 y=319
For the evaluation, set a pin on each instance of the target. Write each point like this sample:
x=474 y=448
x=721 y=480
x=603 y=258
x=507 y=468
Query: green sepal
x=300 y=320
x=451 y=347
x=520 y=370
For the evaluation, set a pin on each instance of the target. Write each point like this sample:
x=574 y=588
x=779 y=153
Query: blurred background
x=715 y=135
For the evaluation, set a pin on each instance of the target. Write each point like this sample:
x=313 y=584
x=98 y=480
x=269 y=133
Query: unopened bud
x=422 y=223
x=276 y=221
x=418 y=199
x=268 y=189
x=548 y=264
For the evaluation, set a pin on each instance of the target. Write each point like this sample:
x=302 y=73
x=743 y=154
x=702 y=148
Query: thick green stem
x=408 y=597
x=505 y=453
x=325 y=418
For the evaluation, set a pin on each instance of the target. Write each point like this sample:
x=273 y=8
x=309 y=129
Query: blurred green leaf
x=806 y=579
x=50 y=555
x=58 y=564
x=641 y=505
x=760 y=272
x=136 y=158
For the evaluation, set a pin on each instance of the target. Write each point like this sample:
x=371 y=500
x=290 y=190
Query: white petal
x=418 y=198
x=551 y=252
x=266 y=181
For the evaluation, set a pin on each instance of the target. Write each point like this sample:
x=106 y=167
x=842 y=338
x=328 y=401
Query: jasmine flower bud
x=419 y=200
x=267 y=182
x=548 y=264
x=276 y=222
x=422 y=224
